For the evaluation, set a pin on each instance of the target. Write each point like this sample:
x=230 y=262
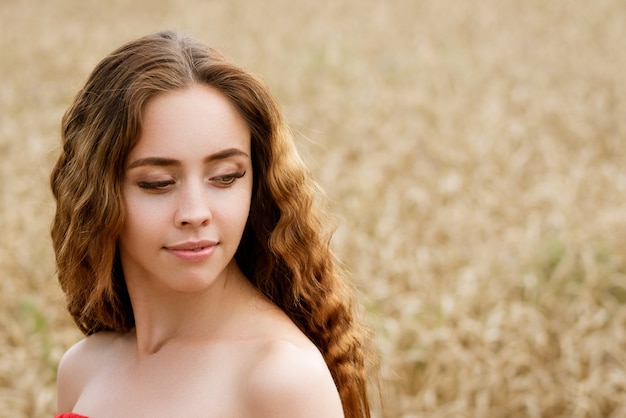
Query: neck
x=163 y=316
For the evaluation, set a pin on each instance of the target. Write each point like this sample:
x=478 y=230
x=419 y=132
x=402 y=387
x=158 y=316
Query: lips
x=192 y=250
x=191 y=245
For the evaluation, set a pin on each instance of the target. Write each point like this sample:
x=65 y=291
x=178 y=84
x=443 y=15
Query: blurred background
x=475 y=152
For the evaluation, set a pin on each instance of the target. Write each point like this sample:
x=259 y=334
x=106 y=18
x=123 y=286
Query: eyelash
x=225 y=180
x=228 y=179
x=155 y=185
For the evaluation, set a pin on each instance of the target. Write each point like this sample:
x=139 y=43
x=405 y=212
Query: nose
x=193 y=209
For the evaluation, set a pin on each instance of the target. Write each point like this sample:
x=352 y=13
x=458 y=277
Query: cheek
x=235 y=211
x=142 y=218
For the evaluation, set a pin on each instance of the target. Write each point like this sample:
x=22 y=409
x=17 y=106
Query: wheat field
x=475 y=152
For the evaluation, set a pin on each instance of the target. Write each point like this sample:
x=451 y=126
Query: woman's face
x=186 y=191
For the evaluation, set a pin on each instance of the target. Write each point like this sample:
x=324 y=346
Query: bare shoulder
x=291 y=379
x=77 y=365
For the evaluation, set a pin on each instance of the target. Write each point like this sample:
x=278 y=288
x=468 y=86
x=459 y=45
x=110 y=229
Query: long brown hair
x=285 y=249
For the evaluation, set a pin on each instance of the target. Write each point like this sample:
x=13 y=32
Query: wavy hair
x=285 y=249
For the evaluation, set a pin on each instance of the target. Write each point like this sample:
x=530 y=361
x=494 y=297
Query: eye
x=155 y=185
x=228 y=179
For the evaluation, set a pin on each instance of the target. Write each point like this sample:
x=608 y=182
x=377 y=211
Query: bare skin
x=256 y=365
x=206 y=343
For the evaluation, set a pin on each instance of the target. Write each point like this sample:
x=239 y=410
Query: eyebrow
x=161 y=161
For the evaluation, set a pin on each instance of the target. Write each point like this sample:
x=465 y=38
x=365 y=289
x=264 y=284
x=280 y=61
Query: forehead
x=197 y=119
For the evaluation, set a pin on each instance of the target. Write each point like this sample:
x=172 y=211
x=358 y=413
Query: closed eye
x=228 y=179
x=155 y=185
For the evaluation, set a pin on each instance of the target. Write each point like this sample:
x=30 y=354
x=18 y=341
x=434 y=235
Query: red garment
x=69 y=415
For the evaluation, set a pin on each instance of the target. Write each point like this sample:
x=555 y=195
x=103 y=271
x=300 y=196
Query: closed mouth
x=192 y=246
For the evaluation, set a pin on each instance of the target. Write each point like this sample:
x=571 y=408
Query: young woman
x=192 y=250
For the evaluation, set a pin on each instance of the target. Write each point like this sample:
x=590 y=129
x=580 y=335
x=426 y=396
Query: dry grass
x=474 y=150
